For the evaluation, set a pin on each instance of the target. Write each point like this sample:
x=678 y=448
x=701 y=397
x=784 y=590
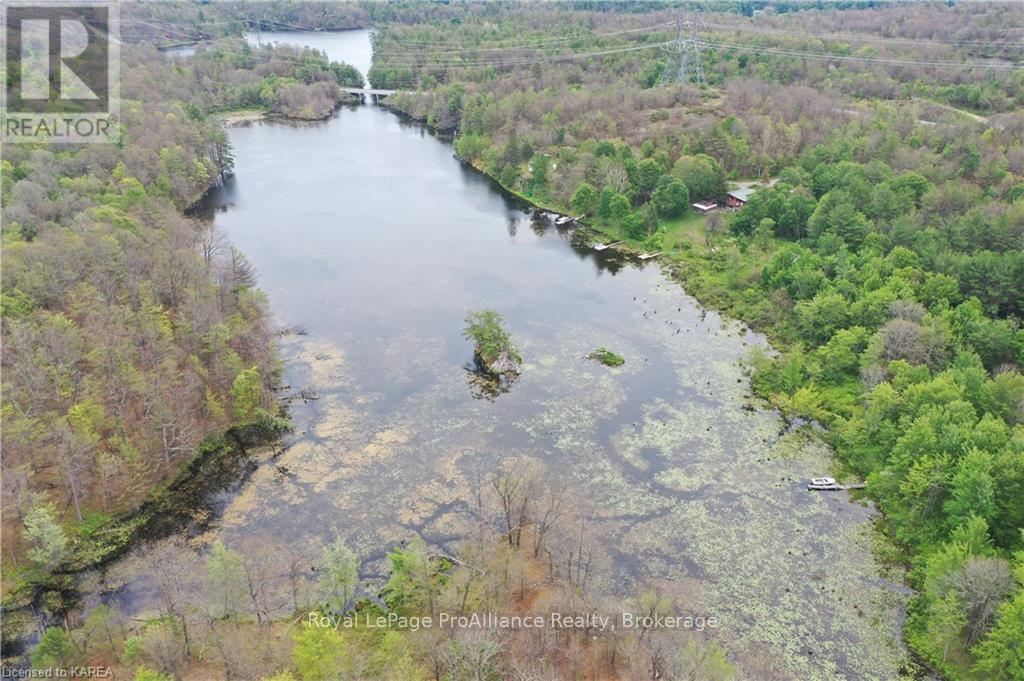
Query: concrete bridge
x=363 y=92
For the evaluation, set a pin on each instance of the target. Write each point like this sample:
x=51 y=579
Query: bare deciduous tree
x=981 y=585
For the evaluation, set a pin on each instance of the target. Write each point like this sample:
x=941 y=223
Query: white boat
x=824 y=484
x=830 y=484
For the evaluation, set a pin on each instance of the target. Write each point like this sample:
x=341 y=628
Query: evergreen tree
x=45 y=535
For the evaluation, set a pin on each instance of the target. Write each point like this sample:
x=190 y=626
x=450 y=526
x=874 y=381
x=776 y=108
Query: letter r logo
x=58 y=57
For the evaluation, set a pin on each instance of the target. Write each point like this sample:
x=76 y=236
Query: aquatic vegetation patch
x=680 y=480
x=607 y=357
x=314 y=362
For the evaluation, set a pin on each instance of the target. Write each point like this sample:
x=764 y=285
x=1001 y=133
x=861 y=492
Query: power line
x=260 y=55
x=492 y=47
x=509 y=60
x=860 y=59
x=248 y=23
x=450 y=47
x=688 y=47
x=512 y=60
x=180 y=32
x=687 y=52
x=856 y=37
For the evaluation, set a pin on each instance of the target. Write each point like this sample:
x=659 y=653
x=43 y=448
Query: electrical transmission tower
x=684 y=63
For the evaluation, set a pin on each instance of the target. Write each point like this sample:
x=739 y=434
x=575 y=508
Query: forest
x=133 y=334
x=526 y=554
x=882 y=251
x=131 y=330
x=883 y=248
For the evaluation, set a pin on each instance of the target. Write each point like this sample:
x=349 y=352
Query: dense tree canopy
x=130 y=331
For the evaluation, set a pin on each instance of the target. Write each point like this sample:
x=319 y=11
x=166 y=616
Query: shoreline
x=196 y=470
x=238 y=117
x=171 y=504
x=675 y=268
x=232 y=118
x=177 y=503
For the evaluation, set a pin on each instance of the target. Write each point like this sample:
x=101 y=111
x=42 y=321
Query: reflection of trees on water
x=486 y=386
x=581 y=241
x=540 y=222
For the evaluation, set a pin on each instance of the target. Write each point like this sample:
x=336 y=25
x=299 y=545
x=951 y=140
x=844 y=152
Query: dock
x=833 y=485
x=601 y=247
x=648 y=256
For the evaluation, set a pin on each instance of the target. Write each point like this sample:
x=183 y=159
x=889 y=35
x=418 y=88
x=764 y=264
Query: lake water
x=369 y=234
x=352 y=47
x=180 y=51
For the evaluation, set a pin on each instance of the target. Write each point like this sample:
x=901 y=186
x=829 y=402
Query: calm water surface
x=370 y=235
x=352 y=47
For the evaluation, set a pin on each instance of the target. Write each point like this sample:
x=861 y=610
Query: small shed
x=705 y=207
x=738 y=197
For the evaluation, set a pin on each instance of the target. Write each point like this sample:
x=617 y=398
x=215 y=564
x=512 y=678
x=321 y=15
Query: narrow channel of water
x=369 y=234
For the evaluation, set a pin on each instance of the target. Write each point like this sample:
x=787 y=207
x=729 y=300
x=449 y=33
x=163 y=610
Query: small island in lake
x=607 y=357
x=494 y=353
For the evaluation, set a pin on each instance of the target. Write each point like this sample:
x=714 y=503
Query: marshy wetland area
x=374 y=241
